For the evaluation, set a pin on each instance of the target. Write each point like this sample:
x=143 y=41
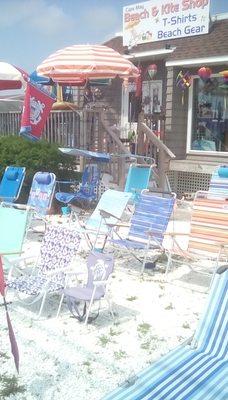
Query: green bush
x=36 y=156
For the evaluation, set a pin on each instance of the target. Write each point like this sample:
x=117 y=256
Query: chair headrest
x=11 y=174
x=43 y=178
x=223 y=171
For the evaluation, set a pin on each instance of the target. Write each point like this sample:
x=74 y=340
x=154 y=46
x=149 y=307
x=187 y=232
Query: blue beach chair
x=88 y=189
x=11 y=183
x=138 y=178
x=42 y=192
x=148 y=224
x=197 y=370
x=14 y=223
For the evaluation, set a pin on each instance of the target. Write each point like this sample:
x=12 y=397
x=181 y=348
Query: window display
x=210 y=115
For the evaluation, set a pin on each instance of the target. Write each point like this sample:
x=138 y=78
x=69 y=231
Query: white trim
x=189 y=119
x=198 y=61
x=149 y=53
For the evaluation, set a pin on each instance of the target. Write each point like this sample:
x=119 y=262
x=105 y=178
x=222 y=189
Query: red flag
x=37 y=106
x=2 y=281
x=14 y=347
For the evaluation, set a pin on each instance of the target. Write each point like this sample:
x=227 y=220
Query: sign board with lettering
x=163 y=19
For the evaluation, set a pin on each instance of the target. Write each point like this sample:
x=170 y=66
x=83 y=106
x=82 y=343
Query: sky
x=30 y=30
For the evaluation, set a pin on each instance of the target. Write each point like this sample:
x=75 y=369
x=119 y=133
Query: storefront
x=196 y=114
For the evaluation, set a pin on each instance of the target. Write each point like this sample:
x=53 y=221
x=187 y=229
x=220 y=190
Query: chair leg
x=90 y=306
x=42 y=304
x=60 y=305
x=109 y=301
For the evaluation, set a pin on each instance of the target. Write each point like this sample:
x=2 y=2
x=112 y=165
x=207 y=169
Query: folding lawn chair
x=219 y=181
x=11 y=183
x=99 y=268
x=58 y=248
x=42 y=192
x=196 y=370
x=208 y=236
x=138 y=178
x=88 y=189
x=13 y=226
x=148 y=224
x=113 y=203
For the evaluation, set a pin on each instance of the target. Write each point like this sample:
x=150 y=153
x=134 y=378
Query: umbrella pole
x=59 y=93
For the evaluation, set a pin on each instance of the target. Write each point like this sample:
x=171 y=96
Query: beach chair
x=196 y=370
x=14 y=223
x=11 y=183
x=219 y=181
x=58 y=248
x=147 y=225
x=99 y=268
x=113 y=203
x=42 y=192
x=138 y=178
x=208 y=236
x=88 y=189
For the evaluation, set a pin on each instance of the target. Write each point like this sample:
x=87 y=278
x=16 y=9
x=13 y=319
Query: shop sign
x=156 y=20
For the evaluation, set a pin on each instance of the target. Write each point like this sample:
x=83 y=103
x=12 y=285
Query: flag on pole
x=37 y=106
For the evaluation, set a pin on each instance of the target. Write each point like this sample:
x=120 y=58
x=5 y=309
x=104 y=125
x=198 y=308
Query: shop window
x=209 y=125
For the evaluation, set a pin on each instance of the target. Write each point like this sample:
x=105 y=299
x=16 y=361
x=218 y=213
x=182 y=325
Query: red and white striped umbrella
x=11 y=77
x=75 y=63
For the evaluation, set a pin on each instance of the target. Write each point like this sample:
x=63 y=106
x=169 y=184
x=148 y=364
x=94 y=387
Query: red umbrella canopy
x=76 y=63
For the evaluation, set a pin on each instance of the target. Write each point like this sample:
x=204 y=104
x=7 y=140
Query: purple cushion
x=223 y=171
x=43 y=178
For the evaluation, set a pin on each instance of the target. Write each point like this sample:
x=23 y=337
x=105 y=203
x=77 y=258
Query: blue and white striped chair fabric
x=196 y=371
x=219 y=181
x=148 y=223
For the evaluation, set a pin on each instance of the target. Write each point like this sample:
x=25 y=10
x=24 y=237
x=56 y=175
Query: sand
x=61 y=358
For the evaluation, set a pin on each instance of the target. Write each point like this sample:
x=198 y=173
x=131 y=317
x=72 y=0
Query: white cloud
x=101 y=18
x=37 y=15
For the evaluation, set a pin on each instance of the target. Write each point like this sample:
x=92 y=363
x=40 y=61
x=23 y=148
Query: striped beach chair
x=197 y=370
x=219 y=181
x=148 y=224
x=208 y=237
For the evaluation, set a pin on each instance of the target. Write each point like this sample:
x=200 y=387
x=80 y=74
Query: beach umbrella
x=76 y=63
x=11 y=77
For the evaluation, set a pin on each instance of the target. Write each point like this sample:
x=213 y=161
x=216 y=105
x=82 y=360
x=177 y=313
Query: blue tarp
x=102 y=157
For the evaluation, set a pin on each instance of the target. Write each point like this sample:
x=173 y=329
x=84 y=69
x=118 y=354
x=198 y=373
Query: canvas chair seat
x=195 y=370
x=99 y=268
x=87 y=191
x=112 y=202
x=148 y=224
x=11 y=183
x=208 y=236
x=138 y=179
x=48 y=275
x=84 y=293
x=33 y=285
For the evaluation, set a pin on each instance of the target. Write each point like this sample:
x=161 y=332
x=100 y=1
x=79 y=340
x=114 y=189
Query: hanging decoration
x=224 y=85
x=183 y=81
x=97 y=93
x=152 y=70
x=204 y=73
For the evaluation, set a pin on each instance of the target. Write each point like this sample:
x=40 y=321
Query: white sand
x=63 y=359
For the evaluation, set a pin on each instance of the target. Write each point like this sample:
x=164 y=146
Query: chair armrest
x=176 y=234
